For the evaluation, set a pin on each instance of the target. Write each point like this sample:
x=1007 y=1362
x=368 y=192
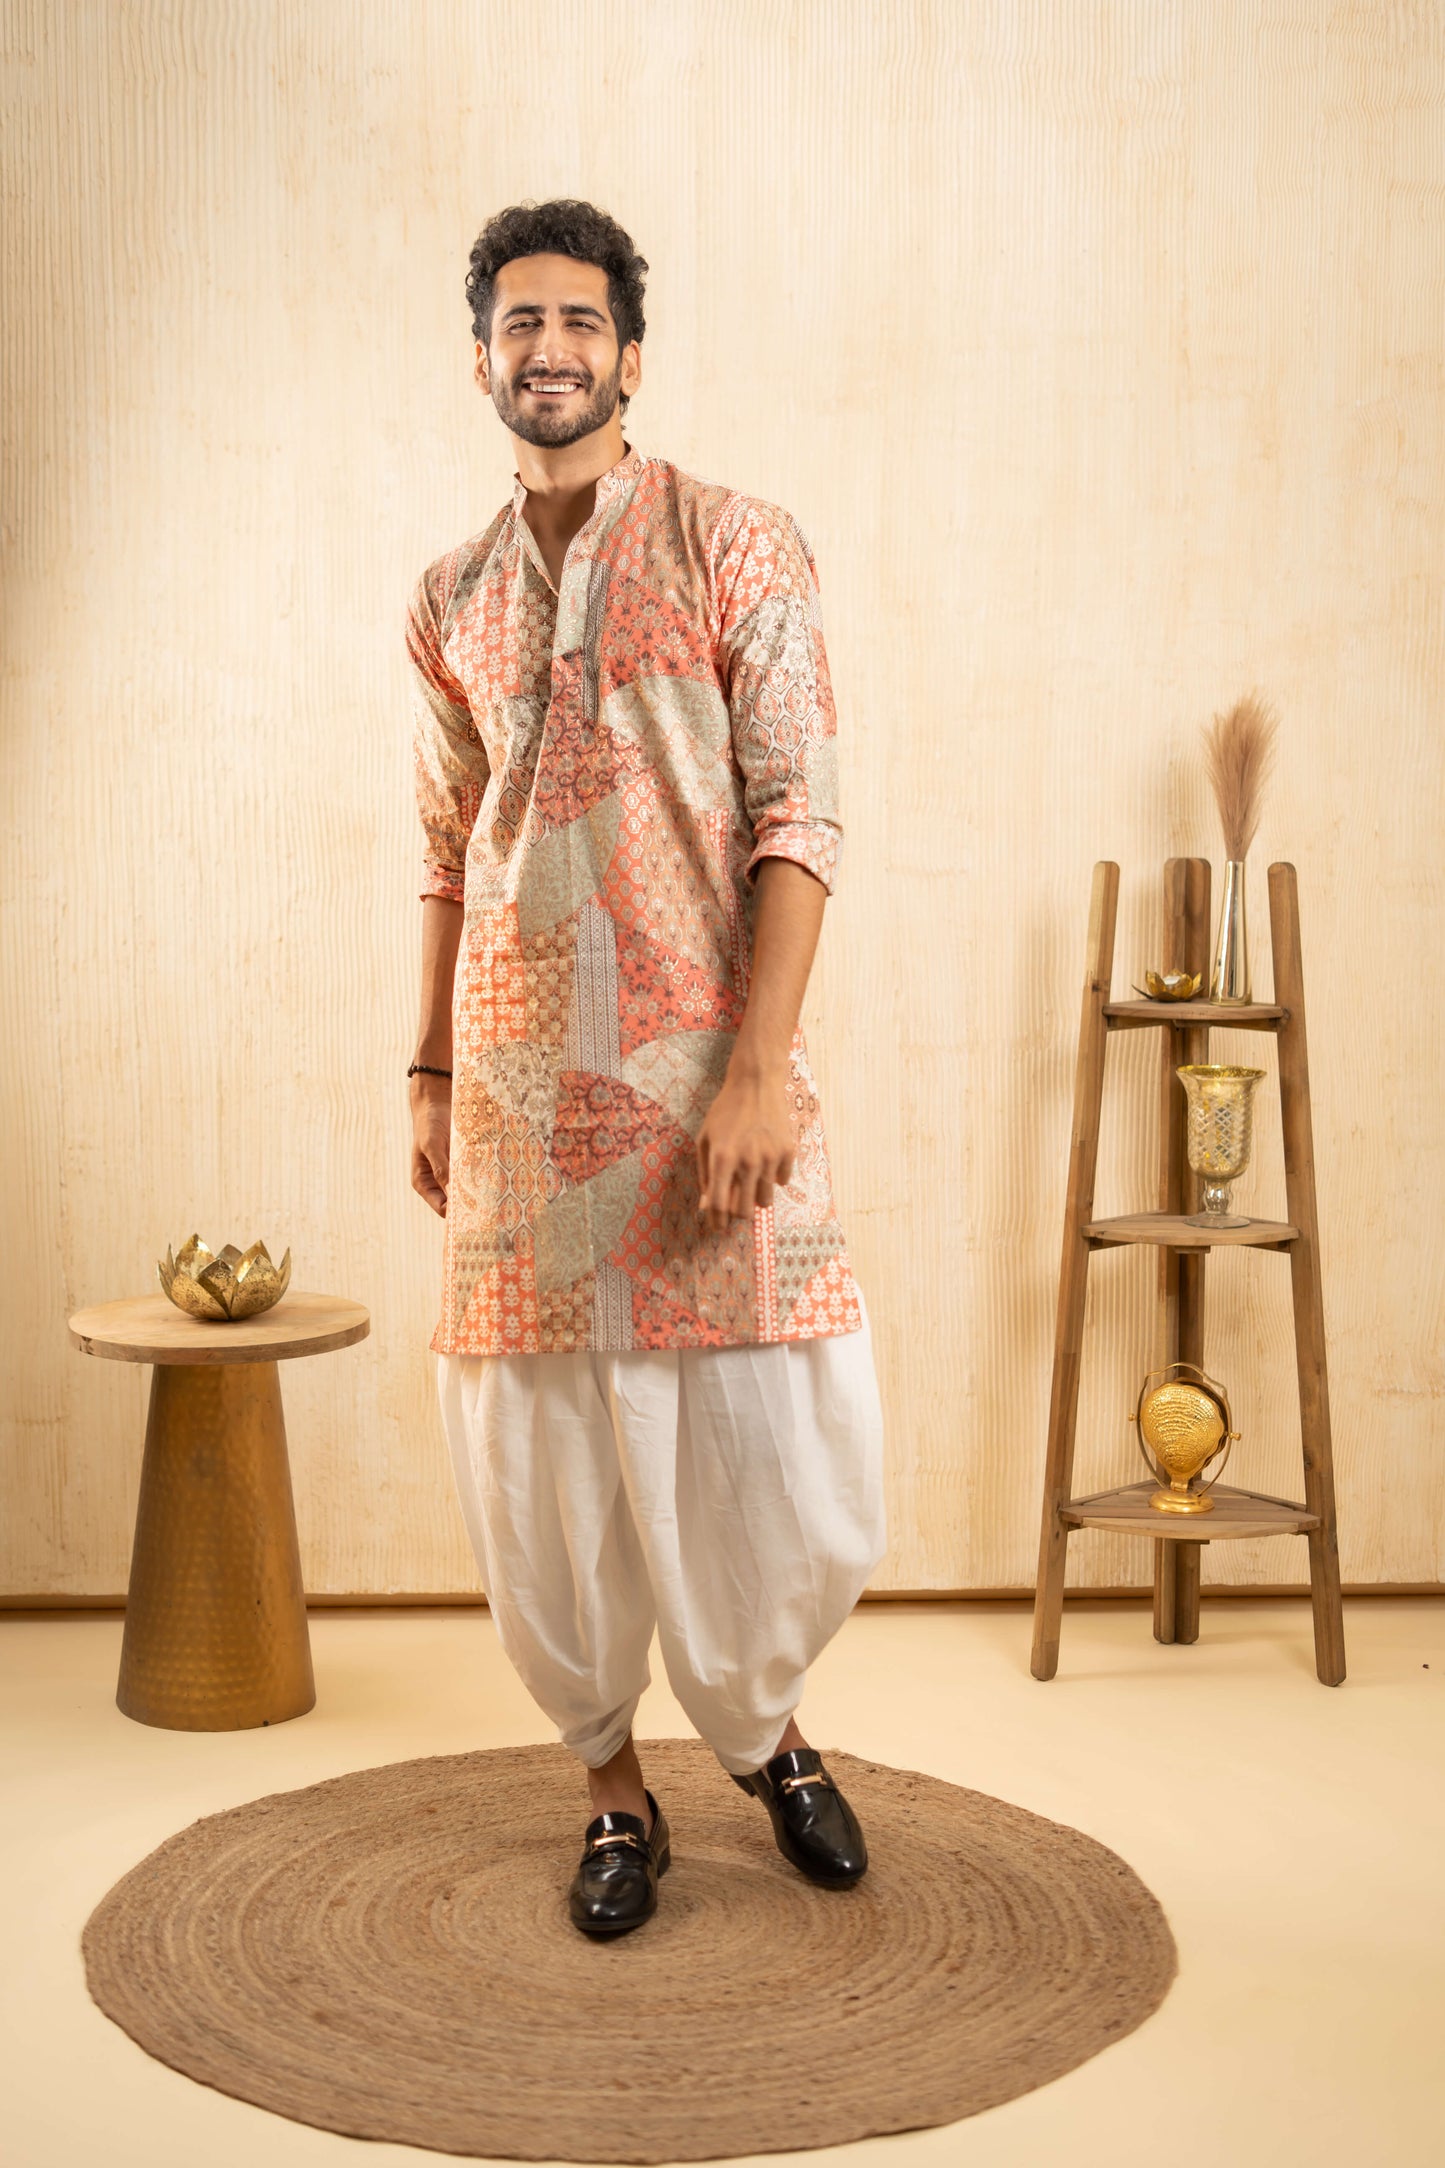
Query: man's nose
x=548 y=357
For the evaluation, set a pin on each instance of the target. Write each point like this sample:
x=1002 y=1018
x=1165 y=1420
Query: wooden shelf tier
x=1237 y=1513
x=1224 y=1015
x=1172 y=1231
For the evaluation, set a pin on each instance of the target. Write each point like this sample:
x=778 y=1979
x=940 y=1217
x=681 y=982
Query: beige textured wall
x=1098 y=349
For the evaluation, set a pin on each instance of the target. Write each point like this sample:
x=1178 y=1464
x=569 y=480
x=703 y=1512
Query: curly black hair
x=563 y=227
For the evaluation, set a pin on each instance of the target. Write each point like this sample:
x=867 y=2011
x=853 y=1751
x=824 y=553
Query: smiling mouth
x=551 y=387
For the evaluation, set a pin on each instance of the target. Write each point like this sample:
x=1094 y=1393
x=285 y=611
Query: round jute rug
x=388 y=1954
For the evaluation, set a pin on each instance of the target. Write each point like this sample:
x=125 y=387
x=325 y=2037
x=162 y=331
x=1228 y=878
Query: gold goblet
x=1184 y=1420
x=1219 y=1133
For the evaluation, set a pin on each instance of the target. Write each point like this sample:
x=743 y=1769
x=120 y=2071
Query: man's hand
x=744 y=1146
x=431 y=1139
x=431 y=1095
x=746 y=1143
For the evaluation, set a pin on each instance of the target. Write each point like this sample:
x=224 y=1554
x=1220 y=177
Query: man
x=653 y=1360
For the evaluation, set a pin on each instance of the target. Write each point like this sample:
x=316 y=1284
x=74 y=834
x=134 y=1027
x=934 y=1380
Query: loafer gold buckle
x=617 y=1836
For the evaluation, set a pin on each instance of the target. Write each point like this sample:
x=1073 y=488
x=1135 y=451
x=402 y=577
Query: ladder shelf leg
x=1166 y=1590
x=1186 y=1600
x=1074 y=1268
x=1181 y=1272
x=1309 y=1316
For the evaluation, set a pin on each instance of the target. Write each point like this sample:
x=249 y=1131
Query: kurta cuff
x=815 y=844
x=440 y=881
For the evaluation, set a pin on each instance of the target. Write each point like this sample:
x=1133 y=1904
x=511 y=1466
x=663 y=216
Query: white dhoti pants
x=730 y=1497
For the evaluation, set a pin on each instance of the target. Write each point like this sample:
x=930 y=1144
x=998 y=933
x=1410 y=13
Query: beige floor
x=1295 y=1835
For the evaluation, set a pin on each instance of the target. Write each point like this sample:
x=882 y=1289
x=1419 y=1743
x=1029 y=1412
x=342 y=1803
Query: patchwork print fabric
x=599 y=773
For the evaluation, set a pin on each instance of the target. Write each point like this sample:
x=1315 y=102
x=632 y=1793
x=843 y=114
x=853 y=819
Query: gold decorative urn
x=1219 y=1133
x=1184 y=1420
x=223 y=1284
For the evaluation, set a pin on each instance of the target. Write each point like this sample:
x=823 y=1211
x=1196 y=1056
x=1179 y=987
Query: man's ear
x=481 y=372
x=631 y=376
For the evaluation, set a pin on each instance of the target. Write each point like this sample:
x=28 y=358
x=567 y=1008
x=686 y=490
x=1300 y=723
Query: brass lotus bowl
x=226 y=1284
x=1171 y=985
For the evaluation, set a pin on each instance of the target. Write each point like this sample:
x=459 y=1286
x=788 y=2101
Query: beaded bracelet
x=421 y=1068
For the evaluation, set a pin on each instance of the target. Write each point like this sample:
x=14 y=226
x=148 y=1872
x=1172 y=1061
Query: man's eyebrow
x=569 y=308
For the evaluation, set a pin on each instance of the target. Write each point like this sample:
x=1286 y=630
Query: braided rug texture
x=388 y=1955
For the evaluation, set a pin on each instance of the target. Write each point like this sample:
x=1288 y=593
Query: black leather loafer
x=615 y=1886
x=814 y=1825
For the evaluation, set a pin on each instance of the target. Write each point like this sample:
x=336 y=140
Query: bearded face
x=552 y=362
x=555 y=404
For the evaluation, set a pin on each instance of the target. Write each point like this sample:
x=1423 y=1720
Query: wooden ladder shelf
x=1182 y=1251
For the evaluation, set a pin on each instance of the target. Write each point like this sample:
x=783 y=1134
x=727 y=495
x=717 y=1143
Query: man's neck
x=552 y=474
x=561 y=487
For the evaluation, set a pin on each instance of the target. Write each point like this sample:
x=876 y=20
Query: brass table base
x=215 y=1622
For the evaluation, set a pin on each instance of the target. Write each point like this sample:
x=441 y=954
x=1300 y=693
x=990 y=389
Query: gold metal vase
x=1219 y=1133
x=1229 y=977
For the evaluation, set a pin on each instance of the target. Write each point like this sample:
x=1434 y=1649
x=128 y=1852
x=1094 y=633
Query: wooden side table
x=215 y=1621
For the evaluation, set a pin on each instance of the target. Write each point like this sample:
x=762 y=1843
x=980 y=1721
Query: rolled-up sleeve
x=780 y=696
x=449 y=758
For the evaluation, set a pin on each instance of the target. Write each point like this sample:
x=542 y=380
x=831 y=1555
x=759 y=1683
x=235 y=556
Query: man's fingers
x=430 y=1181
x=719 y=1208
x=733 y=1184
x=739 y=1186
x=747 y=1191
x=718 y=1186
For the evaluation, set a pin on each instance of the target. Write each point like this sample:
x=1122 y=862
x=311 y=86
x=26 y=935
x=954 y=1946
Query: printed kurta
x=599 y=772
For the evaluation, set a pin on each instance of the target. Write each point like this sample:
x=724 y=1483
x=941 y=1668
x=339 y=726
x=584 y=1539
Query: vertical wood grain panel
x=1097 y=349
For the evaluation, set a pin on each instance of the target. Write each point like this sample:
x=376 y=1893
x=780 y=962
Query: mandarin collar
x=627 y=469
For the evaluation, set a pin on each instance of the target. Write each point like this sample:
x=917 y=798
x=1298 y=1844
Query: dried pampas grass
x=1238 y=755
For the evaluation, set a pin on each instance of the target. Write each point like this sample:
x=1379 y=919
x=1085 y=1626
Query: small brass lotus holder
x=1219 y=1133
x=1185 y=1421
x=225 y=1284
x=1170 y=985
